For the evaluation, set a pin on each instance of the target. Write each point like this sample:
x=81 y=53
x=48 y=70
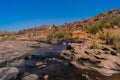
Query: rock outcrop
x=105 y=60
x=13 y=54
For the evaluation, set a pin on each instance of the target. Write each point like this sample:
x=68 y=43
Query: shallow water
x=58 y=68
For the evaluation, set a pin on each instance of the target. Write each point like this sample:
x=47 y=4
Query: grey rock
x=7 y=73
x=66 y=54
x=113 y=52
x=101 y=59
x=16 y=63
x=31 y=77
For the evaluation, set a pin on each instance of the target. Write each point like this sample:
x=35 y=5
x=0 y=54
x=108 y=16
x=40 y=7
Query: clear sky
x=21 y=14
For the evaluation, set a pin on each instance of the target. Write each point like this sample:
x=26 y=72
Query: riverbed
x=57 y=68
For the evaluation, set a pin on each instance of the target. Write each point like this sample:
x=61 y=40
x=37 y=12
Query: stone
x=8 y=73
x=39 y=63
x=54 y=41
x=13 y=50
x=46 y=77
x=26 y=74
x=31 y=77
x=17 y=63
x=66 y=54
x=113 y=52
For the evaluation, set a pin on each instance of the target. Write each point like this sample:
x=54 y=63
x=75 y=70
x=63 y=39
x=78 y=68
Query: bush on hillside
x=115 y=21
x=9 y=37
x=112 y=37
x=107 y=22
x=63 y=34
x=96 y=28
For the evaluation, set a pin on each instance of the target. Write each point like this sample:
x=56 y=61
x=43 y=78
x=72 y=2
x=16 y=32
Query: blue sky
x=22 y=14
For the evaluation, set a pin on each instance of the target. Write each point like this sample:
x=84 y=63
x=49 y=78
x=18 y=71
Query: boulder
x=66 y=54
x=8 y=73
x=16 y=63
x=39 y=63
x=31 y=77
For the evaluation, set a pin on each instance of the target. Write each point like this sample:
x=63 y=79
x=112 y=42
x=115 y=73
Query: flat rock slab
x=15 y=49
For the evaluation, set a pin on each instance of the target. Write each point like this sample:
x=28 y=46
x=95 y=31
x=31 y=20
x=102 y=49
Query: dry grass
x=94 y=45
x=112 y=37
x=63 y=34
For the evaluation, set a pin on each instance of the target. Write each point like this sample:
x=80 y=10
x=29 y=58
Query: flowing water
x=58 y=68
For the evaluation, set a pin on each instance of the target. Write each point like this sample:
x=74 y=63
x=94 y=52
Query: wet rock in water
x=86 y=76
x=66 y=54
x=26 y=74
x=16 y=63
x=46 y=77
x=8 y=73
x=31 y=77
x=54 y=41
x=39 y=63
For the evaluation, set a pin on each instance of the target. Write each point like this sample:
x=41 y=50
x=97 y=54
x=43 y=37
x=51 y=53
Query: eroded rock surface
x=12 y=50
x=12 y=54
x=105 y=60
x=7 y=73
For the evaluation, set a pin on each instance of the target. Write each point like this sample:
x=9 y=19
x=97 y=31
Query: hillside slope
x=79 y=29
x=107 y=19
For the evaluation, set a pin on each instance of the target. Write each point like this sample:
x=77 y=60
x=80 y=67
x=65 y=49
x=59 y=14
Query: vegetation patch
x=94 y=45
x=107 y=22
x=112 y=37
x=63 y=34
x=8 y=37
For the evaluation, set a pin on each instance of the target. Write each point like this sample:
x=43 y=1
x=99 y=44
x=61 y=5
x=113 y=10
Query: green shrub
x=115 y=21
x=94 y=29
x=107 y=22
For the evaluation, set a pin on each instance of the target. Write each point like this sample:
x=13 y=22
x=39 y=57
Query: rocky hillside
x=76 y=30
x=109 y=19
